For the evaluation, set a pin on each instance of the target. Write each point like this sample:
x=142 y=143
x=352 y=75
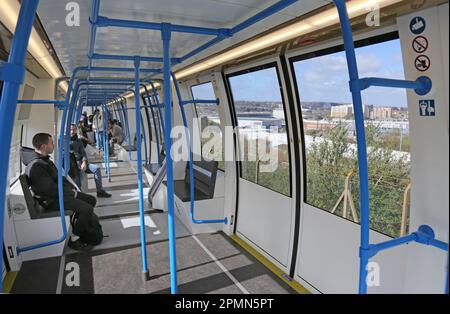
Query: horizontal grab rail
x=103 y=21
x=41 y=102
x=201 y=101
x=421 y=86
x=423 y=235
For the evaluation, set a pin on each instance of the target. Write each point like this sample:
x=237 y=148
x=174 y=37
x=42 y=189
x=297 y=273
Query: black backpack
x=91 y=233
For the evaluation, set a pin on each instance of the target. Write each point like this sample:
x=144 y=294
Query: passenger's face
x=73 y=130
x=48 y=148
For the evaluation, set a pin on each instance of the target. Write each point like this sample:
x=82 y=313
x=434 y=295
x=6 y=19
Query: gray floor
x=121 y=197
x=122 y=176
x=125 y=231
x=119 y=271
x=119 y=210
x=208 y=263
x=40 y=276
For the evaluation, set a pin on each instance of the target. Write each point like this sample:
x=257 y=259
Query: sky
x=325 y=79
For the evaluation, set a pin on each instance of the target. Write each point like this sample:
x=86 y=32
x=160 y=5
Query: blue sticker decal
x=417 y=25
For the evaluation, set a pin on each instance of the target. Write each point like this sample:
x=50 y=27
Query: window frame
x=192 y=94
x=251 y=69
x=149 y=126
x=336 y=48
x=196 y=111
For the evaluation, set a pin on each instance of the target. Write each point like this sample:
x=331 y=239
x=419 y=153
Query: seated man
x=115 y=132
x=43 y=176
x=76 y=146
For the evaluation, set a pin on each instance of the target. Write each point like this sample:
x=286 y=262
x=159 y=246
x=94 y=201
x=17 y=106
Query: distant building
x=346 y=111
x=318 y=125
x=400 y=113
x=342 y=111
x=381 y=113
x=278 y=113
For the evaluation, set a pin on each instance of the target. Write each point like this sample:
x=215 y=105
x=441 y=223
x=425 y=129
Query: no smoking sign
x=420 y=44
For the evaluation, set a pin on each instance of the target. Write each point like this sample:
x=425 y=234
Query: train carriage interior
x=224 y=147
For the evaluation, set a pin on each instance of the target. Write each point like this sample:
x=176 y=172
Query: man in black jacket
x=43 y=177
x=76 y=147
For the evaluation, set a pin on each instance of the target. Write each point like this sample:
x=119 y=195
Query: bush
x=332 y=157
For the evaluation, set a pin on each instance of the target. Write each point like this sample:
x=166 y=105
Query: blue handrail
x=139 y=170
x=14 y=73
x=42 y=102
x=422 y=86
x=105 y=140
x=166 y=37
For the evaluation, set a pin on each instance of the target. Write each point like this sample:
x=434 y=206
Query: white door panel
x=328 y=255
x=265 y=217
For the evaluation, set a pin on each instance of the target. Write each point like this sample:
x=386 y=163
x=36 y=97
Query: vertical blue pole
x=447 y=274
x=66 y=138
x=9 y=97
x=361 y=141
x=108 y=165
x=137 y=97
x=97 y=135
x=105 y=153
x=169 y=163
x=105 y=139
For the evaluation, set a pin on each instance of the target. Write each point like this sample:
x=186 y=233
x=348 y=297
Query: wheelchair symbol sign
x=417 y=25
x=426 y=108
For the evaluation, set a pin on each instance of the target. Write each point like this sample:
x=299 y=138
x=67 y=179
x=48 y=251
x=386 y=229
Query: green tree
x=331 y=158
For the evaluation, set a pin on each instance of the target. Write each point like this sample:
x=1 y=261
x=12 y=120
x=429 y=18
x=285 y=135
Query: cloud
x=368 y=63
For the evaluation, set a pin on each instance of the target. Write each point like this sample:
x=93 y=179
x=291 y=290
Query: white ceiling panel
x=71 y=43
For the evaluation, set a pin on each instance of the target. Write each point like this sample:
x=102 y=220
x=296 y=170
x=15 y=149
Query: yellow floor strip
x=274 y=269
x=8 y=282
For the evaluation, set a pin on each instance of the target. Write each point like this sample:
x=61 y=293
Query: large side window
x=263 y=137
x=332 y=181
x=22 y=116
x=208 y=119
x=158 y=127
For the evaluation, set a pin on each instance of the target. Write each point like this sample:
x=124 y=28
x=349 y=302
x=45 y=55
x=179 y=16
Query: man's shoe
x=103 y=194
x=79 y=245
